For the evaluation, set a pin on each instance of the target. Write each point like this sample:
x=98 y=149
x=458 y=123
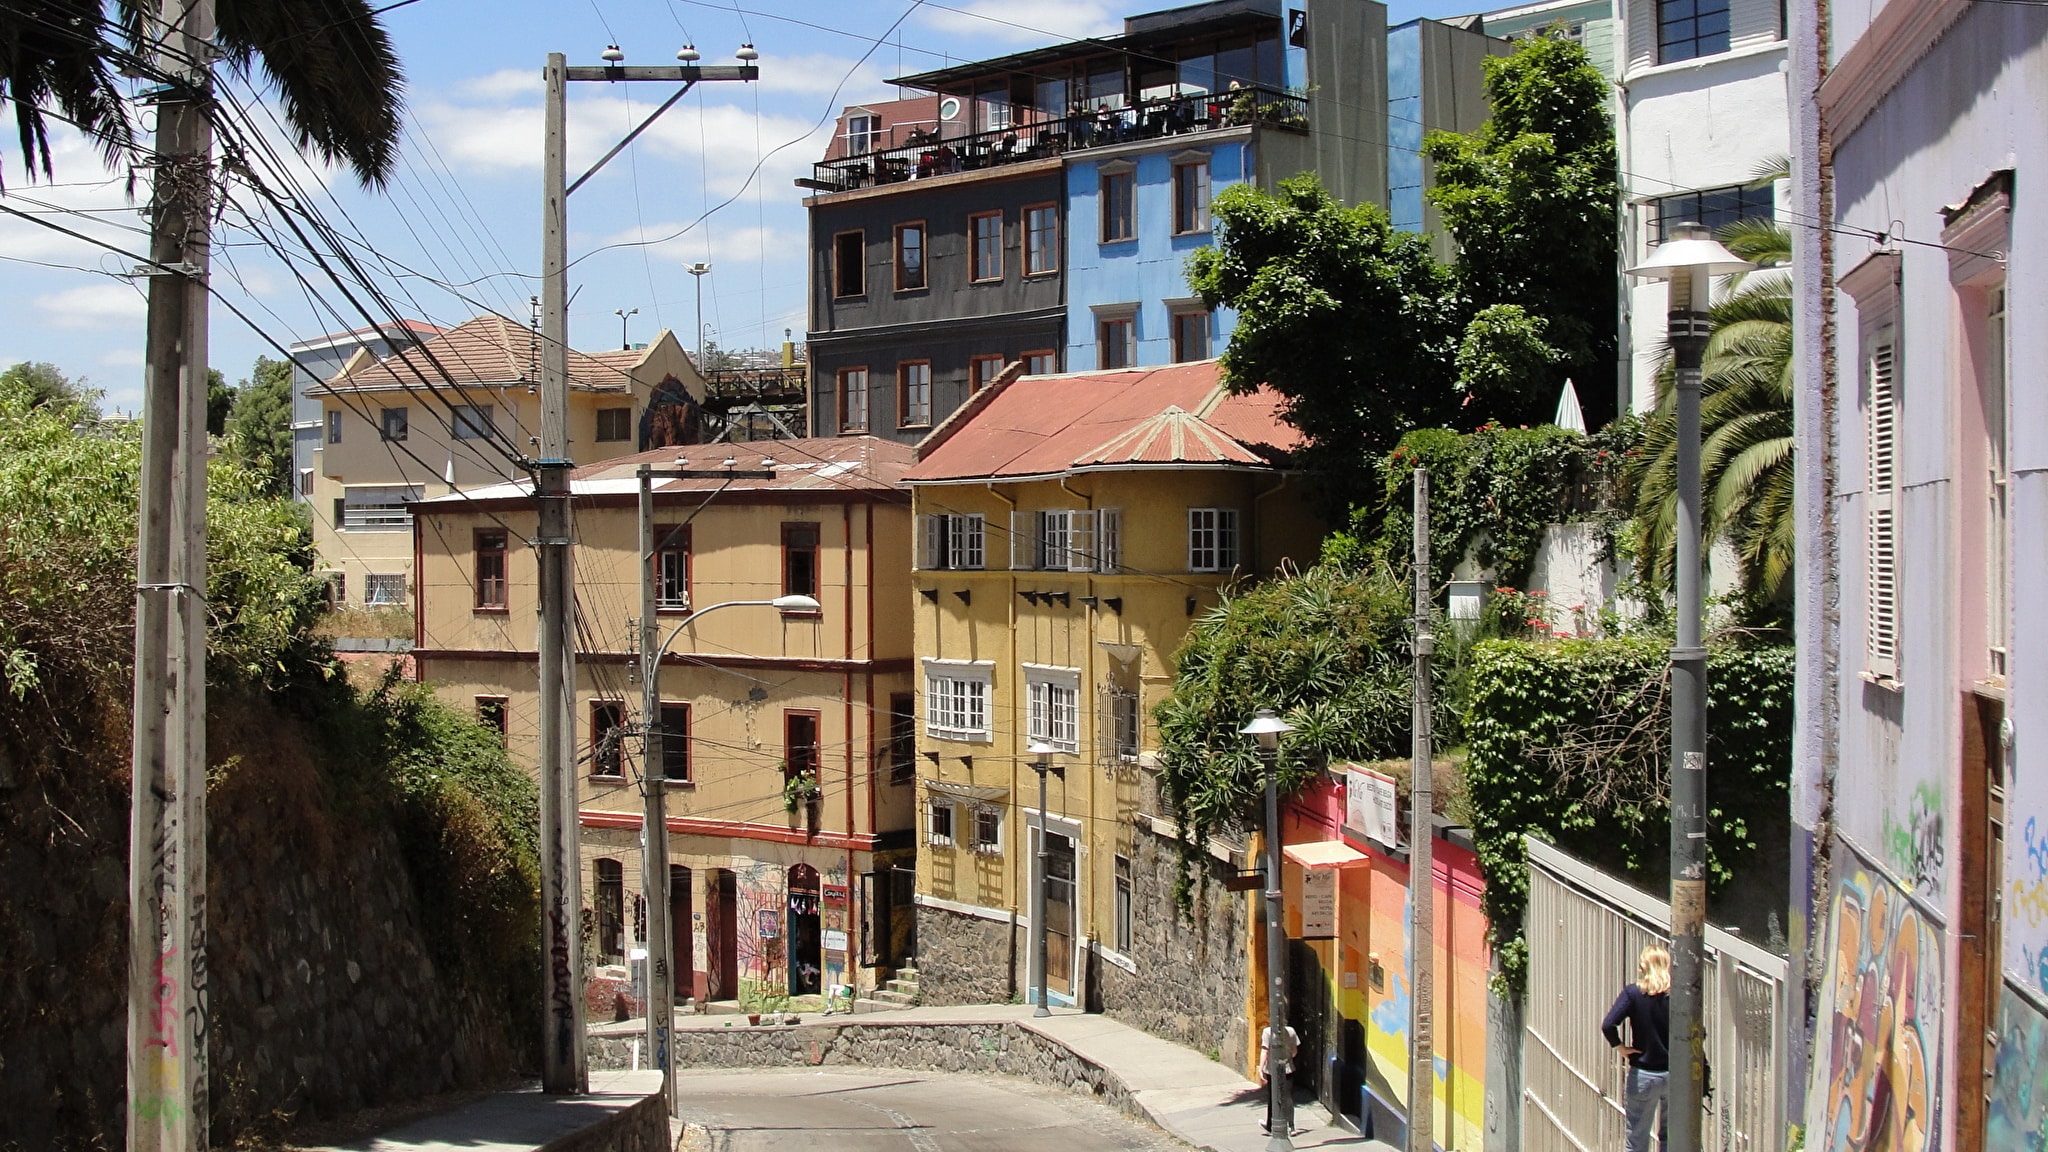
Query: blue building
x=1435 y=82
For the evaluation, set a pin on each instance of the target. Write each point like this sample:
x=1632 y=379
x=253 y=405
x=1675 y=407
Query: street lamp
x=1686 y=260
x=1267 y=729
x=624 y=344
x=1041 y=764
x=697 y=271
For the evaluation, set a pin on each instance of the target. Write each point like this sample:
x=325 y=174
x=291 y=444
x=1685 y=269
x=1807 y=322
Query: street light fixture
x=625 y=345
x=1041 y=753
x=1267 y=729
x=1686 y=260
x=697 y=271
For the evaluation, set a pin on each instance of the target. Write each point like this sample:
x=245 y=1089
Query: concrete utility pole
x=167 y=982
x=1041 y=763
x=1421 y=867
x=1267 y=729
x=564 y=1068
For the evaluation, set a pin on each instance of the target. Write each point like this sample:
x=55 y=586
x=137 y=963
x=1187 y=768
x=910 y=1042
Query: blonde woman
x=1646 y=1007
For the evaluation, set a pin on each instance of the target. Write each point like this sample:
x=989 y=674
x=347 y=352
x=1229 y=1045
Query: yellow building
x=1070 y=528
x=444 y=415
x=773 y=893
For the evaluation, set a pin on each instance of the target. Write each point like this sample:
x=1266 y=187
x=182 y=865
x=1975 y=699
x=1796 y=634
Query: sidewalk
x=1190 y=1096
x=518 y=1121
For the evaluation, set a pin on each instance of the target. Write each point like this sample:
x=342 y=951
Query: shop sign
x=1318 y=903
x=1372 y=806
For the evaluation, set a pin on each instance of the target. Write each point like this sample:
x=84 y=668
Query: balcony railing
x=928 y=153
x=375 y=518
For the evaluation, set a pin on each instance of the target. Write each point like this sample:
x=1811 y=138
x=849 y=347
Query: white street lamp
x=1042 y=753
x=1687 y=259
x=697 y=271
x=1267 y=729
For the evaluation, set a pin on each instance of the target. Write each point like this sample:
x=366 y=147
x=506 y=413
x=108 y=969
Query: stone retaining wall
x=965 y=959
x=642 y=1128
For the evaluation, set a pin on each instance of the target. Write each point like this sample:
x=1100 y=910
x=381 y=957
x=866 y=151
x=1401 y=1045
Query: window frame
x=976 y=381
x=976 y=273
x=1224 y=523
x=495 y=712
x=1052 y=706
x=394 y=423
x=1661 y=217
x=1701 y=46
x=838 y=270
x=674 y=745
x=815 y=548
x=333 y=426
x=816 y=719
x=867 y=136
x=375 y=580
x=1121 y=920
x=933 y=807
x=625 y=430
x=901 y=746
x=1128 y=346
x=952 y=542
x=966 y=705
x=670 y=540
x=1177 y=317
x=482 y=582
x=989 y=818
x=1109 y=539
x=617 y=759
x=473 y=421
x=1108 y=204
x=840 y=381
x=923 y=256
x=1191 y=216
x=1050 y=355
x=904 y=416
x=1050 y=234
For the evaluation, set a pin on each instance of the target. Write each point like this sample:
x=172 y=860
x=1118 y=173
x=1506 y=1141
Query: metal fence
x=1585 y=930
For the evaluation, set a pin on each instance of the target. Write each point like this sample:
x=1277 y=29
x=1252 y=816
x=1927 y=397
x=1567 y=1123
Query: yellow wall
x=995 y=623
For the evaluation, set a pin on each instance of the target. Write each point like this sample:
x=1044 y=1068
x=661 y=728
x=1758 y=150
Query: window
x=863 y=134
x=853 y=399
x=305 y=481
x=1116 y=341
x=800 y=559
x=490 y=712
x=1123 y=905
x=985 y=232
x=1212 y=539
x=939 y=823
x=988 y=831
x=1119 y=206
x=849 y=257
x=337 y=589
x=1688 y=29
x=1059 y=540
x=983 y=370
x=672 y=568
x=951 y=540
x=1053 y=706
x=607 y=730
x=1997 y=482
x=475 y=421
x=909 y=257
x=1043 y=363
x=1109 y=539
x=956 y=699
x=1191 y=197
x=490 y=570
x=1190 y=336
x=334 y=427
x=914 y=393
x=675 y=742
x=800 y=746
x=1714 y=207
x=611 y=909
x=392 y=422
x=380 y=590
x=902 y=738
x=1882 y=452
x=1121 y=719
x=1041 y=240
x=614 y=424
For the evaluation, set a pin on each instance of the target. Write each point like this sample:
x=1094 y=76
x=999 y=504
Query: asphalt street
x=878 y=1110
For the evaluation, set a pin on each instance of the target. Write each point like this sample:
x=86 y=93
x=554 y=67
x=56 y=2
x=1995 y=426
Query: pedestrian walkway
x=520 y=1121
x=1190 y=1096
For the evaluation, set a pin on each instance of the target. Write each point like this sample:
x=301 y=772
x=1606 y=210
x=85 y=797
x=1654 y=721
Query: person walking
x=1293 y=1040
x=1646 y=1008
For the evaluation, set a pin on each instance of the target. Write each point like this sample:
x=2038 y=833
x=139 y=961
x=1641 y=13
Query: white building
x=1920 y=784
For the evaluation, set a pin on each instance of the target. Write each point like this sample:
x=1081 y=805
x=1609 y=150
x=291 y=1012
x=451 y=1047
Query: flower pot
x=753 y=1017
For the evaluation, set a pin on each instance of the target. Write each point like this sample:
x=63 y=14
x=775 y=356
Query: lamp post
x=1041 y=763
x=1267 y=728
x=697 y=272
x=625 y=345
x=1687 y=259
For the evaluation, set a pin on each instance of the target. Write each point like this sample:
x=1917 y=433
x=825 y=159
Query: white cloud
x=122 y=358
x=505 y=84
x=93 y=306
x=819 y=74
x=740 y=245
x=1043 y=21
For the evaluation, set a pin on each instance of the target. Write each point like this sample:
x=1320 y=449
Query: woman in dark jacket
x=1646 y=1007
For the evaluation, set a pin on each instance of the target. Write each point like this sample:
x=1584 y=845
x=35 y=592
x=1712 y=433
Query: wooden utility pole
x=167 y=993
x=1421 y=865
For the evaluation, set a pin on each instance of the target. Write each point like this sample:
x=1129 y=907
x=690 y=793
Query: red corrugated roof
x=825 y=462
x=1173 y=416
x=487 y=350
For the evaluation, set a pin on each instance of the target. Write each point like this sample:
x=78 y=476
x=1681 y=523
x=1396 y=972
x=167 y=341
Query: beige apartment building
x=777 y=890
x=447 y=414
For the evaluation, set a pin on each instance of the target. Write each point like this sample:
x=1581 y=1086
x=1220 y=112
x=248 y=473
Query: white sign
x=835 y=940
x=1318 y=903
x=1372 y=805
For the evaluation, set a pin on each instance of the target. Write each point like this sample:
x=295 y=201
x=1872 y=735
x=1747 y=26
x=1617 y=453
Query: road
x=863 y=1110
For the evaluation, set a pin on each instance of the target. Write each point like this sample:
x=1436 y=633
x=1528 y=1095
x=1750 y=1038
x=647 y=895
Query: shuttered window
x=1881 y=499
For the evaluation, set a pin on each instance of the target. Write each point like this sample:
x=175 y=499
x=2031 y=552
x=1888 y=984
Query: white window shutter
x=1023 y=540
x=1109 y=539
x=1881 y=497
x=1080 y=541
x=928 y=542
x=966 y=541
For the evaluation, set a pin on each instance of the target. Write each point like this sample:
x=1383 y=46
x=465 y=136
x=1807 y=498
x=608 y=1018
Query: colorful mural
x=2018 y=1119
x=2026 y=905
x=673 y=416
x=1915 y=846
x=1878 y=1051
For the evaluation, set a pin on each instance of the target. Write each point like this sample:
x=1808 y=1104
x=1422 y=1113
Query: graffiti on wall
x=2018 y=1117
x=1879 y=1047
x=2026 y=905
x=1914 y=845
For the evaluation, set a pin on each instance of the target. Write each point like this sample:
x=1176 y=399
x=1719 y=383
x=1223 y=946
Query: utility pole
x=1421 y=865
x=1041 y=763
x=167 y=982
x=1267 y=729
x=564 y=1067
x=697 y=273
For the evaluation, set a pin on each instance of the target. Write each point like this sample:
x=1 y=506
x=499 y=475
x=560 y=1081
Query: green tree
x=329 y=61
x=220 y=399
x=1356 y=324
x=1530 y=198
x=259 y=427
x=38 y=383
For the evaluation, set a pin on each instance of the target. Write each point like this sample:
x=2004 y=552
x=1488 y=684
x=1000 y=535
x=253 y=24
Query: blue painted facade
x=1149 y=271
x=1404 y=126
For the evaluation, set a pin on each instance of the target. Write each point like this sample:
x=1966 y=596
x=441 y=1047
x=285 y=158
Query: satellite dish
x=949 y=108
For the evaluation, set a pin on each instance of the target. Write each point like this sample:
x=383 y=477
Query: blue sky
x=459 y=224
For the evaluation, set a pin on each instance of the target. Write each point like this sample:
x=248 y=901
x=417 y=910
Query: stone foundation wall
x=642 y=1128
x=1193 y=971
x=966 y=959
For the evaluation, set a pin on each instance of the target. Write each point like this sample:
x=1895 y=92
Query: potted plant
x=800 y=789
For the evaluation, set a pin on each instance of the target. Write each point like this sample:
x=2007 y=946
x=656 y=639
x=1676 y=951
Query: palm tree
x=1745 y=429
x=329 y=62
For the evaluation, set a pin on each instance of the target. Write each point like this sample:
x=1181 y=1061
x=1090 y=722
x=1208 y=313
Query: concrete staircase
x=900 y=992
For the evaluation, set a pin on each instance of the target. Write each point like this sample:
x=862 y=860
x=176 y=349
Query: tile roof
x=1176 y=416
x=487 y=350
x=831 y=463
